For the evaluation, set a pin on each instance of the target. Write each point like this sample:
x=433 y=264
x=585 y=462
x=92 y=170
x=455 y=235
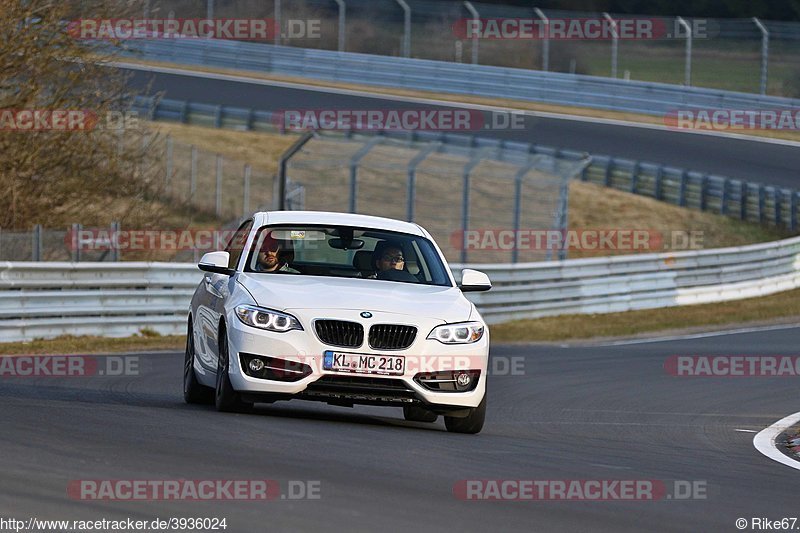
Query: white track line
x=697 y=335
x=443 y=103
x=764 y=441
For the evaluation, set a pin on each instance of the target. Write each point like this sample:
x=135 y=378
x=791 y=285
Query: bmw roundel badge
x=366 y=314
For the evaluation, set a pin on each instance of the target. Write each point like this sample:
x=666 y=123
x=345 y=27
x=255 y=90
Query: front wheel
x=226 y=398
x=472 y=423
x=193 y=390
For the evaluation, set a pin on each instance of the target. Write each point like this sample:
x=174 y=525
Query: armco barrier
x=41 y=300
x=440 y=76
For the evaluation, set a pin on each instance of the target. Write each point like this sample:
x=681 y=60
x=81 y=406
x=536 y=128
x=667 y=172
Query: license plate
x=356 y=363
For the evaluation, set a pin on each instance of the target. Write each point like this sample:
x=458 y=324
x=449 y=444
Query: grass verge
x=777 y=307
x=94 y=345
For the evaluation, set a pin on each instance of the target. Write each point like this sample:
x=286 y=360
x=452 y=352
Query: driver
x=272 y=256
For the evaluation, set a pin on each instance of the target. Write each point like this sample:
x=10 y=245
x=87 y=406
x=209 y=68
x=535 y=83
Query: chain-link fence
x=455 y=188
x=746 y=55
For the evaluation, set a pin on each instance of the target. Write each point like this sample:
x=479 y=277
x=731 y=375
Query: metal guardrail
x=754 y=202
x=41 y=300
x=439 y=76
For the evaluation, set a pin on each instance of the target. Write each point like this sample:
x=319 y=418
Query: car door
x=215 y=292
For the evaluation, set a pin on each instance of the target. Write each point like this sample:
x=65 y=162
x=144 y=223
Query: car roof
x=327 y=218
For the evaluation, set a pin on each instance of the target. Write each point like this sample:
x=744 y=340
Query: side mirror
x=474 y=281
x=217 y=263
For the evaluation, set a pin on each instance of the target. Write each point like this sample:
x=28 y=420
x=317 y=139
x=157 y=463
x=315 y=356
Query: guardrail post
x=635 y=177
x=36 y=245
x=116 y=253
x=193 y=174
x=776 y=200
x=761 y=201
x=218 y=196
x=185 y=112
x=280 y=201
x=218 y=117
x=406 y=27
x=614 y=44
x=658 y=182
x=607 y=177
x=76 y=242
x=545 y=40
x=688 y=73
x=703 y=192
x=342 y=25
x=682 y=190
x=743 y=201
x=476 y=17
x=724 y=204
x=764 y=54
x=793 y=213
x=246 y=188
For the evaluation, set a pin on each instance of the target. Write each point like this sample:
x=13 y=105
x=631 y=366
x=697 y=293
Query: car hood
x=284 y=292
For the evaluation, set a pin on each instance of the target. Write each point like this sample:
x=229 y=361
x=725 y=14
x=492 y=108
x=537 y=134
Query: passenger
x=272 y=257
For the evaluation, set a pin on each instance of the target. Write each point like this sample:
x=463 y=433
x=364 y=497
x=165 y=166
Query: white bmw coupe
x=340 y=308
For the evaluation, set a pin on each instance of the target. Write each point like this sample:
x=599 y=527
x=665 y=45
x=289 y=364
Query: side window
x=236 y=245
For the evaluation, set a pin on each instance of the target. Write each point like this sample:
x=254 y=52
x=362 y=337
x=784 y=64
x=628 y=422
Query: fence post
x=614 y=44
x=218 y=197
x=277 y=24
x=545 y=40
x=475 y=16
x=193 y=175
x=36 y=245
x=406 y=27
x=764 y=54
x=475 y=161
x=342 y=24
x=688 y=73
x=354 y=162
x=170 y=163
x=280 y=201
x=246 y=186
x=411 y=189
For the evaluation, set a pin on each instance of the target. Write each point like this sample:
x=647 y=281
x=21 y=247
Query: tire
x=414 y=413
x=193 y=391
x=226 y=399
x=472 y=423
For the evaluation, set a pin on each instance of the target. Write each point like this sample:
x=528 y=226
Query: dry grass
x=493 y=102
x=94 y=345
x=785 y=306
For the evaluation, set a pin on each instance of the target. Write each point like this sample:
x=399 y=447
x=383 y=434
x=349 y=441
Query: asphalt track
x=769 y=163
x=574 y=413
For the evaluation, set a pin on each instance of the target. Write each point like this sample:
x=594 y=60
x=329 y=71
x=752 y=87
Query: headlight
x=464 y=333
x=262 y=318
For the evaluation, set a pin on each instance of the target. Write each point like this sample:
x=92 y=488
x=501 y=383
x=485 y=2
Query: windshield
x=346 y=252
